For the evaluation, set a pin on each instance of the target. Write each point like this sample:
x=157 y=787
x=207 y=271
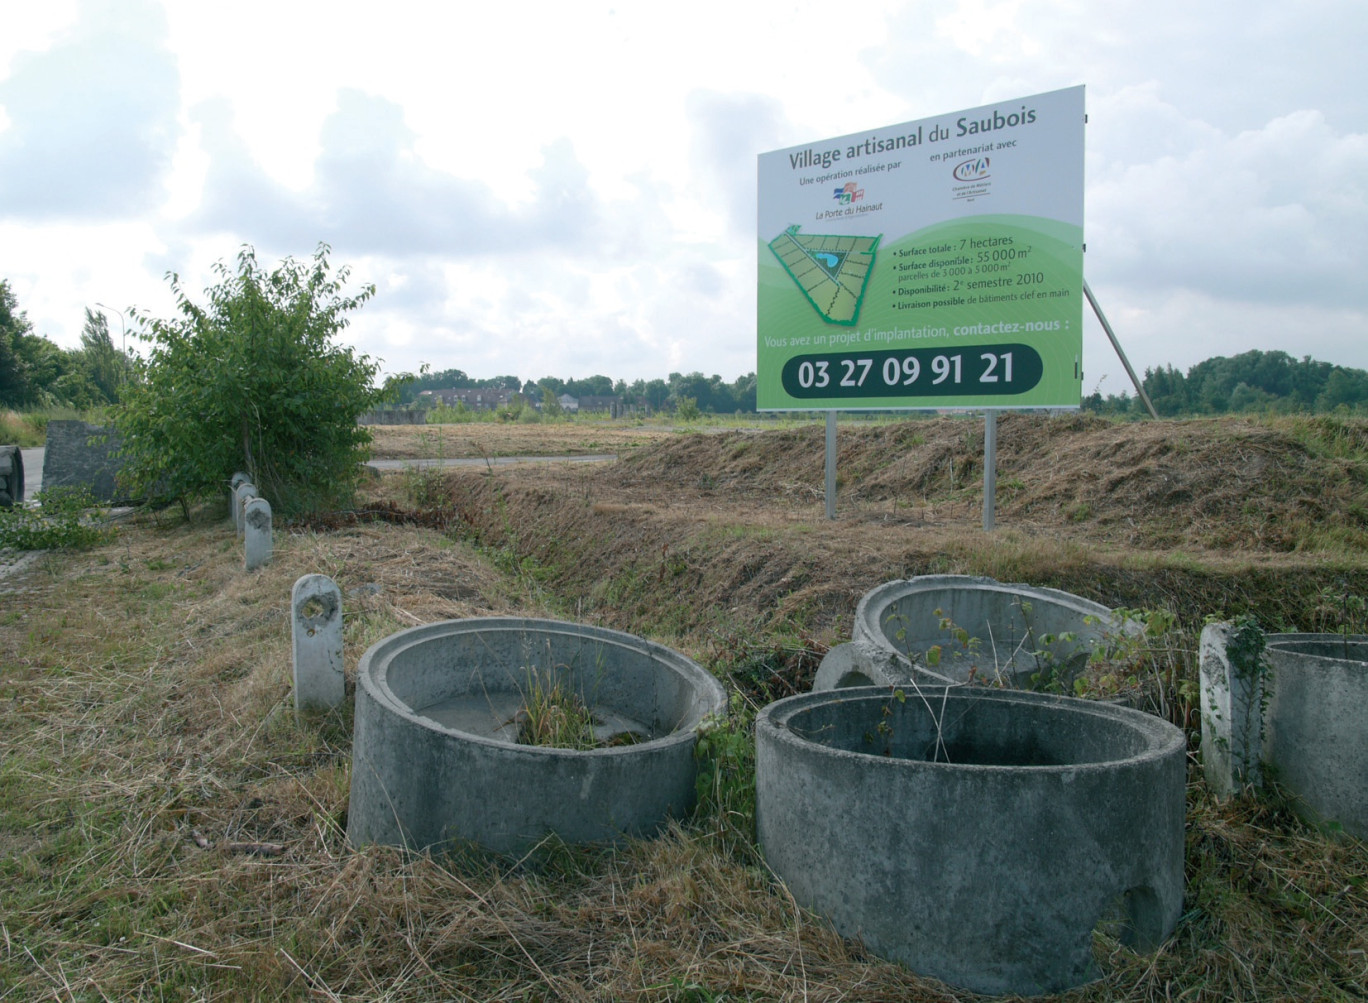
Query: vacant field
x=168 y=831
x=477 y=439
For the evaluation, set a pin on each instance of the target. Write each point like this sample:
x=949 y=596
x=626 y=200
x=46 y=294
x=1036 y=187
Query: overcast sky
x=569 y=188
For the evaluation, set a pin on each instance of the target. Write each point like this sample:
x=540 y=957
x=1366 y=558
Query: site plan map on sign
x=831 y=270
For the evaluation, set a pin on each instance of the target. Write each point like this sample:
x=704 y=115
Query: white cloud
x=1268 y=215
x=562 y=188
x=91 y=121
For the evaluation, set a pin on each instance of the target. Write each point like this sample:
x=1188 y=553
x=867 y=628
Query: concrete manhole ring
x=1316 y=737
x=898 y=623
x=436 y=752
x=989 y=870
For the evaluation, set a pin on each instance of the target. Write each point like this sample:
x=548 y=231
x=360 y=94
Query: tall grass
x=29 y=427
x=23 y=428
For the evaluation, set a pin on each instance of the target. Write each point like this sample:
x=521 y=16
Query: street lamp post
x=123 y=340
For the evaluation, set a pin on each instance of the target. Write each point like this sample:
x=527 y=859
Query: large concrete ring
x=435 y=755
x=973 y=834
x=11 y=476
x=1316 y=736
x=898 y=624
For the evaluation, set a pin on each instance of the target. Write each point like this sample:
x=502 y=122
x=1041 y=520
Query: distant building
x=475 y=398
x=610 y=403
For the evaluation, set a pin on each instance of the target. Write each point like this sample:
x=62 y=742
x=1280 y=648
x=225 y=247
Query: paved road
x=14 y=561
x=480 y=461
x=33 y=464
x=33 y=471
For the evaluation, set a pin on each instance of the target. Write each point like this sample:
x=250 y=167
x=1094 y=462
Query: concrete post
x=257 y=533
x=316 y=618
x=245 y=492
x=1232 y=717
x=237 y=481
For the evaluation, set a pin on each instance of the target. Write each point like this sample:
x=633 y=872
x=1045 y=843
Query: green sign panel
x=933 y=264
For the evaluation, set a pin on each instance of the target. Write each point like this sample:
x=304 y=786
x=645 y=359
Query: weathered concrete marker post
x=257 y=537
x=245 y=492
x=316 y=617
x=1232 y=715
x=237 y=481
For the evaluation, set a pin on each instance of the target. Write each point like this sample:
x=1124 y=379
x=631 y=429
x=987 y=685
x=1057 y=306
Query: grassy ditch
x=168 y=831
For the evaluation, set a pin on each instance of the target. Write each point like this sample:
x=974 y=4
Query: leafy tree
x=744 y=393
x=35 y=371
x=655 y=393
x=1167 y=389
x=1246 y=398
x=1343 y=388
x=556 y=386
x=251 y=381
x=513 y=410
x=550 y=403
x=46 y=364
x=590 y=386
x=15 y=387
x=695 y=386
x=105 y=366
x=447 y=379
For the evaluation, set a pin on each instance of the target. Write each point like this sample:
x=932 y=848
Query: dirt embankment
x=697 y=532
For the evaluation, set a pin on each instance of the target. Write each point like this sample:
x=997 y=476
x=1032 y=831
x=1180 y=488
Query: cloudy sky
x=568 y=188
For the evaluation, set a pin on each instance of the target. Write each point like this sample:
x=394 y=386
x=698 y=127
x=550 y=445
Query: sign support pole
x=831 y=464
x=1139 y=389
x=989 y=469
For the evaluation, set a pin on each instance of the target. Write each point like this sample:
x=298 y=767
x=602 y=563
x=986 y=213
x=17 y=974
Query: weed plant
x=725 y=782
x=65 y=518
x=553 y=715
x=1341 y=611
x=424 y=485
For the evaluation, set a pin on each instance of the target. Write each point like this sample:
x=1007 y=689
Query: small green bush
x=252 y=381
x=59 y=522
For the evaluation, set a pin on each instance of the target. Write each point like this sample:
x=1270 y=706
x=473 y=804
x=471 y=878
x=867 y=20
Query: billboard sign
x=931 y=264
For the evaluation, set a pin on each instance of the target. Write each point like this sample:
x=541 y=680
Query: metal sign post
x=989 y=469
x=831 y=464
x=1139 y=387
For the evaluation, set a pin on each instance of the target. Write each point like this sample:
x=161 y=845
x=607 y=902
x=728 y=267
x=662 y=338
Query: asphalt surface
x=33 y=471
x=12 y=562
x=480 y=461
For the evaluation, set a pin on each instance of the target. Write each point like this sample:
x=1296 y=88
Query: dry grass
x=144 y=702
x=20 y=429
x=473 y=440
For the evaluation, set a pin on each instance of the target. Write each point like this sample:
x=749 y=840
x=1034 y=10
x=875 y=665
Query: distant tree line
x=1252 y=381
x=35 y=372
x=709 y=394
